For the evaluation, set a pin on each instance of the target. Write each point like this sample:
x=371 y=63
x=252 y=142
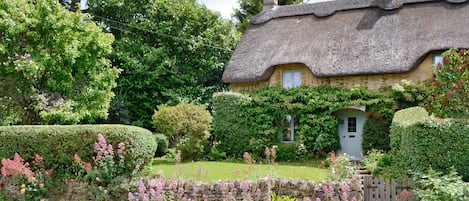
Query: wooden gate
x=377 y=189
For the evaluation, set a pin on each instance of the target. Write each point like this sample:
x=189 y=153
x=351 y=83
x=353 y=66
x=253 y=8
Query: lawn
x=213 y=171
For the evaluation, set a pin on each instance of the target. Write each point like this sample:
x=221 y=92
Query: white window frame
x=290 y=123
x=292 y=78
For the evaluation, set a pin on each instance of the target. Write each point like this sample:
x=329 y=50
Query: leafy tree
x=451 y=85
x=53 y=66
x=249 y=8
x=170 y=51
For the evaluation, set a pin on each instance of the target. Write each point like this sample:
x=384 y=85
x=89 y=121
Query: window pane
x=437 y=59
x=297 y=79
x=288 y=131
x=352 y=124
x=291 y=78
x=287 y=79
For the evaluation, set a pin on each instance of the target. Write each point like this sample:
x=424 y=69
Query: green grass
x=213 y=171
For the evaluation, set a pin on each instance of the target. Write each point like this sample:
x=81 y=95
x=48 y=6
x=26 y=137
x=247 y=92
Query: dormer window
x=437 y=59
x=291 y=78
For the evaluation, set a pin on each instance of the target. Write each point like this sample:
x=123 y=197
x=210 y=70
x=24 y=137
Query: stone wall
x=248 y=190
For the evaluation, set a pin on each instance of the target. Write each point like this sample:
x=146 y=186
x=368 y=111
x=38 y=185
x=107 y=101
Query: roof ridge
x=324 y=9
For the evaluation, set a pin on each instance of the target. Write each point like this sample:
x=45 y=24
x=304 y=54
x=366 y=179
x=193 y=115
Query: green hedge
x=420 y=142
x=57 y=144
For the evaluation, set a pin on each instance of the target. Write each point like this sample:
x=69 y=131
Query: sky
x=226 y=7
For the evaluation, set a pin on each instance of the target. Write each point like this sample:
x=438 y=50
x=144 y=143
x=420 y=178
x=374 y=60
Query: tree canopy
x=53 y=65
x=170 y=51
x=249 y=8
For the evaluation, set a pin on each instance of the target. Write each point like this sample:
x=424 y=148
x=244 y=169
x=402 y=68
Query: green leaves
x=450 y=97
x=170 y=51
x=57 y=59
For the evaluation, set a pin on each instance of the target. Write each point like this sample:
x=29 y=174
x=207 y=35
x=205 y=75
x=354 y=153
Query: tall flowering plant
x=34 y=179
x=106 y=166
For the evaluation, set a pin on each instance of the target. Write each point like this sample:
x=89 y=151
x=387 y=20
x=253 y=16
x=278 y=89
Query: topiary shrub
x=419 y=142
x=186 y=125
x=163 y=145
x=58 y=144
x=376 y=134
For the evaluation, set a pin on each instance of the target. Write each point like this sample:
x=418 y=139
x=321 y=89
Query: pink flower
x=41 y=185
x=88 y=167
x=130 y=196
x=120 y=148
x=318 y=199
x=77 y=158
x=110 y=150
x=137 y=168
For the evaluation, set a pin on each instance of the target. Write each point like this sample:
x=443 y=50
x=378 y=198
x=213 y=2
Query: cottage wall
x=374 y=82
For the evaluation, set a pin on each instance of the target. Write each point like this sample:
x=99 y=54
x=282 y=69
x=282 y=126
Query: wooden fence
x=377 y=189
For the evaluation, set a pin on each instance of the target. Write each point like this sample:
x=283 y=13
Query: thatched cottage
x=346 y=43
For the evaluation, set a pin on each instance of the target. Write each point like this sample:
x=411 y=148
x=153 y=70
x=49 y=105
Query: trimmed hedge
x=420 y=142
x=57 y=144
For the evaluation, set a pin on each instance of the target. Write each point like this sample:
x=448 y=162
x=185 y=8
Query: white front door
x=350 y=133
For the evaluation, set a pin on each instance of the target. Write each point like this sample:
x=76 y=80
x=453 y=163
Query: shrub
x=436 y=186
x=163 y=145
x=231 y=123
x=451 y=85
x=186 y=125
x=58 y=144
x=377 y=162
x=376 y=134
x=426 y=142
x=402 y=119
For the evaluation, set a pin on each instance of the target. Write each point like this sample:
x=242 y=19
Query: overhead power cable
x=157 y=33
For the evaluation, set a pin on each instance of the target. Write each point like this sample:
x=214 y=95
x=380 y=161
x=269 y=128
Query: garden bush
x=451 y=85
x=186 y=125
x=163 y=145
x=58 y=144
x=419 y=142
x=376 y=133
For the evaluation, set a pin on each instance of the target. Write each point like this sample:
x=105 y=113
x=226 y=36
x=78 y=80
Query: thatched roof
x=349 y=37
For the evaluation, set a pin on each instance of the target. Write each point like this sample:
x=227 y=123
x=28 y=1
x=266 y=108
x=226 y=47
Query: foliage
x=249 y=8
x=340 y=166
x=171 y=51
x=378 y=162
x=250 y=121
x=53 y=65
x=163 y=145
x=59 y=143
x=275 y=197
x=186 y=125
x=436 y=186
x=376 y=133
x=108 y=165
x=408 y=94
x=451 y=85
x=419 y=142
x=34 y=180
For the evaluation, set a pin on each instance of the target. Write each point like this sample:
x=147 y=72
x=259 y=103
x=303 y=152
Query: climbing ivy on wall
x=252 y=121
